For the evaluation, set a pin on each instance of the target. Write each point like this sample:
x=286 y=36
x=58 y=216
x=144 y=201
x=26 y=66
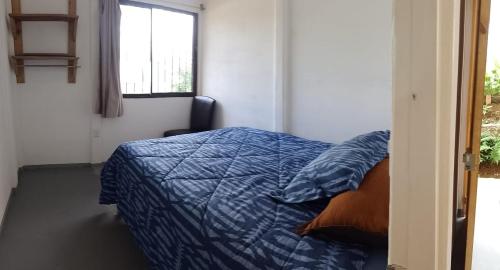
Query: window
x=158 y=51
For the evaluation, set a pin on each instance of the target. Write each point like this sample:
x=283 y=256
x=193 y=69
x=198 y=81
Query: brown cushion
x=360 y=216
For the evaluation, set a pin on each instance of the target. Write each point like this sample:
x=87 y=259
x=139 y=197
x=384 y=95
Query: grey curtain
x=109 y=97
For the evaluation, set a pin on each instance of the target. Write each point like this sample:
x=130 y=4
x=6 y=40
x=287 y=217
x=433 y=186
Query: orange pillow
x=360 y=216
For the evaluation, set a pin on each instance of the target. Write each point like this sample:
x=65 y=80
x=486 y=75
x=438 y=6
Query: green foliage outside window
x=490 y=141
x=492 y=81
x=490 y=148
x=185 y=83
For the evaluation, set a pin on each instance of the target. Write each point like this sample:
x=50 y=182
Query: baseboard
x=60 y=166
x=98 y=164
x=12 y=193
x=55 y=166
x=96 y=167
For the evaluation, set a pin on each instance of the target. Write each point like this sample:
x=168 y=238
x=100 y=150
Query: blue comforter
x=200 y=201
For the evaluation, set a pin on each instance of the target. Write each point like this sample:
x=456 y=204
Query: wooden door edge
x=480 y=37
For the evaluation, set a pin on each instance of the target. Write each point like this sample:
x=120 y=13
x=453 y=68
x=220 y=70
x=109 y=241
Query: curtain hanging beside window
x=109 y=103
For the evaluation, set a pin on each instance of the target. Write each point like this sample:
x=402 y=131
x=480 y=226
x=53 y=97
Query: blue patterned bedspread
x=200 y=201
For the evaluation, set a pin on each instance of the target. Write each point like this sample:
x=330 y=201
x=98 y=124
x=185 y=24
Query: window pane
x=135 y=45
x=172 y=51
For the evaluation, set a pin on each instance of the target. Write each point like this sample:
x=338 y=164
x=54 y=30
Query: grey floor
x=54 y=222
x=486 y=253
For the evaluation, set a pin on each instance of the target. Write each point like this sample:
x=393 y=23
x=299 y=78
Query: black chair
x=202 y=114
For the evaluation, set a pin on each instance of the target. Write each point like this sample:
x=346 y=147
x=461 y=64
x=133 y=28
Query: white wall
x=52 y=116
x=336 y=72
x=8 y=168
x=145 y=118
x=54 y=119
x=340 y=68
x=238 y=44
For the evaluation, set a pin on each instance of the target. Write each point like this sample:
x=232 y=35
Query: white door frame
x=426 y=35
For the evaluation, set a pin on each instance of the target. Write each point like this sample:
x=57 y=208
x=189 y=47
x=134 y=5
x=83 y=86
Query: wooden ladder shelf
x=18 y=59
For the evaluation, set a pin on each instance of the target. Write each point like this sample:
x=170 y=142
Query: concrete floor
x=55 y=223
x=486 y=254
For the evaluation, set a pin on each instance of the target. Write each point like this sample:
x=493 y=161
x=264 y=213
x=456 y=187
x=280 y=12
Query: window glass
x=135 y=50
x=172 y=51
x=157 y=51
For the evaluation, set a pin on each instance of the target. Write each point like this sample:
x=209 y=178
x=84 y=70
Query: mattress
x=201 y=201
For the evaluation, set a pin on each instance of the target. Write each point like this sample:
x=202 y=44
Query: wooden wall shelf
x=35 y=65
x=17 y=17
x=44 y=17
x=45 y=56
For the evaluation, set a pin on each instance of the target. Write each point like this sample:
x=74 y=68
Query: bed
x=201 y=201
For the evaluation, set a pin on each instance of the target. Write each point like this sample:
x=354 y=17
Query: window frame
x=194 y=71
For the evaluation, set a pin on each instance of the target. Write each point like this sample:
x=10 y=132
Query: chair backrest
x=202 y=113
